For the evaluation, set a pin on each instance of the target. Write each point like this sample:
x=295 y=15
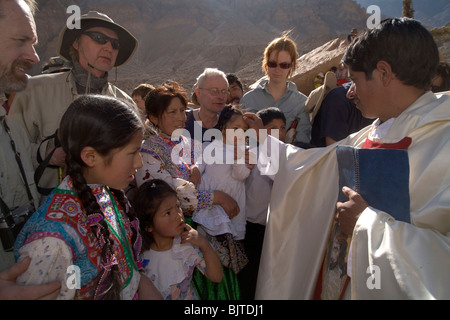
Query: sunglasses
x=102 y=39
x=283 y=65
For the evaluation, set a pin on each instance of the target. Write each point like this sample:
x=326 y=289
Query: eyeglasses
x=102 y=39
x=215 y=92
x=283 y=65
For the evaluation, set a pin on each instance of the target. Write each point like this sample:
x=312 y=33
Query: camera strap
x=6 y=212
x=44 y=163
x=19 y=162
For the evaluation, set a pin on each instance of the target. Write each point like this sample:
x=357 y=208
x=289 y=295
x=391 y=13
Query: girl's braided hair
x=104 y=124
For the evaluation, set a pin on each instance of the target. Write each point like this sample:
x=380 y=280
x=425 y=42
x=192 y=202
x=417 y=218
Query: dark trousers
x=254 y=237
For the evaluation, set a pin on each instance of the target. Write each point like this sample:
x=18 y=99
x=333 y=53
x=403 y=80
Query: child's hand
x=193 y=237
x=213 y=270
x=196 y=177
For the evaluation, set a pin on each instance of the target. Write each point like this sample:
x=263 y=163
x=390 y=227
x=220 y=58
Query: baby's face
x=236 y=122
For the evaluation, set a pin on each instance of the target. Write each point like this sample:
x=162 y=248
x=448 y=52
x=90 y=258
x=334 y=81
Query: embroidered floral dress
x=59 y=240
x=171 y=161
x=171 y=271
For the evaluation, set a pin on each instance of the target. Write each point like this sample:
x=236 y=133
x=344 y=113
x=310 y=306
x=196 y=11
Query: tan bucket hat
x=128 y=43
x=315 y=98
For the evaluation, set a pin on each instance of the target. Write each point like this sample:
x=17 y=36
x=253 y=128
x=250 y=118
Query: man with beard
x=235 y=89
x=93 y=50
x=17 y=189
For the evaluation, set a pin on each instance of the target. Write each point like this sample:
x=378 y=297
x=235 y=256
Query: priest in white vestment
x=391 y=68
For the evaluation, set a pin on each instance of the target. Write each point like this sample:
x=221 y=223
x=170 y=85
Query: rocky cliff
x=178 y=38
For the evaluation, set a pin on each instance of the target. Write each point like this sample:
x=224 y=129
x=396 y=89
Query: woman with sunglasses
x=280 y=61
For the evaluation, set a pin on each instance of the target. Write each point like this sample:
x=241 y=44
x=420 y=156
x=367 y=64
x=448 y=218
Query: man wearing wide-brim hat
x=93 y=50
x=315 y=98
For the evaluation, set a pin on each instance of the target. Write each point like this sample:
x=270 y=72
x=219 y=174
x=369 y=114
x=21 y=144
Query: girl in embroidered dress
x=171 y=248
x=84 y=234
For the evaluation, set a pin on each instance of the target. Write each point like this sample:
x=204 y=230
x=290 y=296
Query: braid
x=129 y=211
x=104 y=124
x=110 y=290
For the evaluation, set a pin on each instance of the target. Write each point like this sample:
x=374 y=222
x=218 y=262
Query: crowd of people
x=166 y=194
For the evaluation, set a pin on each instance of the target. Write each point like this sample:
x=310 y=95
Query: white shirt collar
x=380 y=130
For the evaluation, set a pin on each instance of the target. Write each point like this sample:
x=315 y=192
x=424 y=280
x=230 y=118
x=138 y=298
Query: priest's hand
x=255 y=122
x=348 y=212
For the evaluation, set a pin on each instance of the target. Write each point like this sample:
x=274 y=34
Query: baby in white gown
x=225 y=174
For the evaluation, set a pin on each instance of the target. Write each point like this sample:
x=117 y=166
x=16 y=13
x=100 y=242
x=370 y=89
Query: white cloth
x=171 y=267
x=229 y=178
x=258 y=189
x=51 y=258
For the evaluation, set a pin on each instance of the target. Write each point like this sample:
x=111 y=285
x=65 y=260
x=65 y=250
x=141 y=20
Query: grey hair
x=207 y=73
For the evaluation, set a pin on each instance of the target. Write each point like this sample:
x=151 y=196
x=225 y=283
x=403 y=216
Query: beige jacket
x=12 y=185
